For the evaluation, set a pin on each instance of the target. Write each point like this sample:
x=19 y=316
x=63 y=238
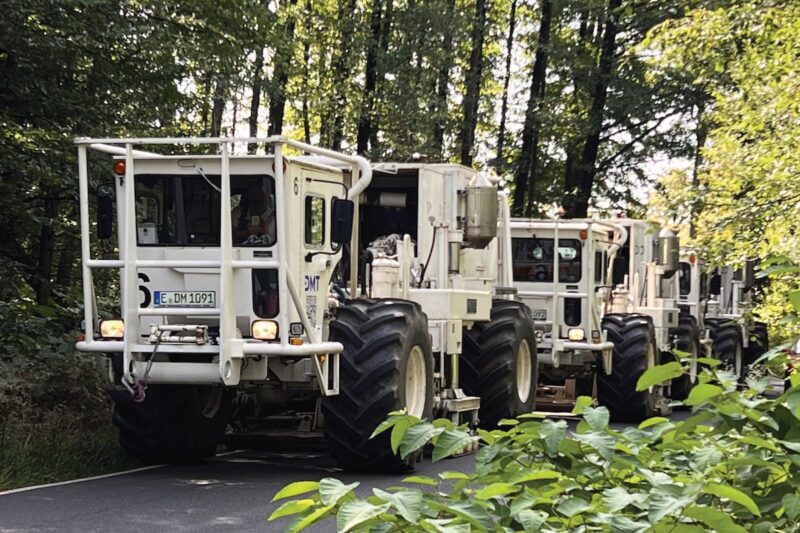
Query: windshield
x=685 y=280
x=185 y=210
x=533 y=260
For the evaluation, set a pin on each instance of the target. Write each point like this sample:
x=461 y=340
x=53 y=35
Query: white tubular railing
x=231 y=350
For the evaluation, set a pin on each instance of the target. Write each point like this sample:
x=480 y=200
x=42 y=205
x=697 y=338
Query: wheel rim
x=693 y=365
x=524 y=371
x=737 y=360
x=416 y=384
x=651 y=360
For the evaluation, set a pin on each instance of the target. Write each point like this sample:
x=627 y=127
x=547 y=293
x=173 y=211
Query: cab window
x=533 y=260
x=315 y=221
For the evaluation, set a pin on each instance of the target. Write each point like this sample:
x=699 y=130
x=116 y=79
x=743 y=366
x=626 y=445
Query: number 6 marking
x=144 y=290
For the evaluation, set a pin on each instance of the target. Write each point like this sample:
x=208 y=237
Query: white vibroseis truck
x=234 y=309
x=603 y=297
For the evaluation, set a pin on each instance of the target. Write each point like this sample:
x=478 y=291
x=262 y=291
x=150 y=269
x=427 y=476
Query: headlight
x=265 y=330
x=112 y=329
x=576 y=334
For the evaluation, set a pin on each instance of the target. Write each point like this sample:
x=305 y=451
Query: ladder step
x=180 y=311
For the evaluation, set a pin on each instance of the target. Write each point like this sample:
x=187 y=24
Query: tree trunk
x=280 y=76
x=306 y=90
x=439 y=109
x=255 y=102
x=526 y=166
x=585 y=170
x=700 y=134
x=383 y=45
x=473 y=83
x=501 y=134
x=217 y=108
x=341 y=70
x=370 y=79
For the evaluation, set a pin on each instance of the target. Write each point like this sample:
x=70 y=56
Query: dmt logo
x=312 y=283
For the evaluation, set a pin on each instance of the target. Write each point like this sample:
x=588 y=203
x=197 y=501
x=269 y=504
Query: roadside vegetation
x=733 y=466
x=55 y=417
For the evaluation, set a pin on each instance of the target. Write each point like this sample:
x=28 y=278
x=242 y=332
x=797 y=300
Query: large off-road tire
x=175 y=424
x=386 y=365
x=499 y=365
x=634 y=352
x=759 y=343
x=688 y=341
x=726 y=336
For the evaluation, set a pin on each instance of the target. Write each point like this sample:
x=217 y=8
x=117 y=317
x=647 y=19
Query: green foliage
x=732 y=466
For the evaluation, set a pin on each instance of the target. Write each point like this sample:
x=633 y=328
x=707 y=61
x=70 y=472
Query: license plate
x=539 y=314
x=185 y=298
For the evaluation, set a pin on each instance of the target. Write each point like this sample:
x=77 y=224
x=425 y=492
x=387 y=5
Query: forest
x=684 y=111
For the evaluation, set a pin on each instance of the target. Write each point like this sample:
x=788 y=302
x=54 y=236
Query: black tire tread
x=726 y=335
x=630 y=334
x=373 y=333
x=168 y=426
x=688 y=336
x=488 y=362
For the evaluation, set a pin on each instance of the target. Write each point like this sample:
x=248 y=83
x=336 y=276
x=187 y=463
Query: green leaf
x=553 y=433
x=522 y=501
x=310 y=519
x=496 y=489
x=292 y=507
x=659 y=374
x=596 y=417
x=701 y=393
x=791 y=505
x=573 y=506
x=450 y=474
x=398 y=432
x=581 y=403
x=708 y=361
x=653 y=421
x=487 y=436
x=667 y=500
x=408 y=502
x=794 y=297
x=759 y=442
x=713 y=518
x=734 y=495
x=602 y=442
x=531 y=520
x=332 y=490
x=451 y=442
x=535 y=475
x=472 y=513
x=354 y=513
x=416 y=437
x=421 y=480
x=618 y=498
x=295 y=489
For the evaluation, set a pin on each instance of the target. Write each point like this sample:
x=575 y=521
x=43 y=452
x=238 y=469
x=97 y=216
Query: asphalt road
x=230 y=493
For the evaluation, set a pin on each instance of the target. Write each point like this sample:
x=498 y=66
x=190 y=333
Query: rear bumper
x=562 y=346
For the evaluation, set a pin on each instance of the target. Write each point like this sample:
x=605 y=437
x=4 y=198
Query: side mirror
x=105 y=215
x=715 y=285
x=342 y=221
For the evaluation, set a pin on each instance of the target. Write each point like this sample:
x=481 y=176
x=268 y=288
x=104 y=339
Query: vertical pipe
x=227 y=304
x=354 y=240
x=556 y=319
x=88 y=296
x=130 y=292
x=283 y=245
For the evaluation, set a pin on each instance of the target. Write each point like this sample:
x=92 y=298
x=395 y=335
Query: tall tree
x=526 y=166
x=365 y=121
x=577 y=202
x=473 y=82
x=501 y=133
x=284 y=50
x=439 y=106
x=255 y=99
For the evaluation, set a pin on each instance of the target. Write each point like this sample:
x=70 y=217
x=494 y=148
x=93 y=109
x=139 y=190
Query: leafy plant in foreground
x=732 y=466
